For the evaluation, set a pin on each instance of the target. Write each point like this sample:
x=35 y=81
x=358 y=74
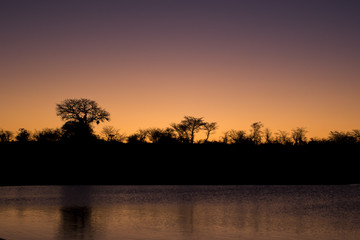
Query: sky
x=149 y=63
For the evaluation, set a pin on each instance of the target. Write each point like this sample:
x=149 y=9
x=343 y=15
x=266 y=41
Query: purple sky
x=286 y=63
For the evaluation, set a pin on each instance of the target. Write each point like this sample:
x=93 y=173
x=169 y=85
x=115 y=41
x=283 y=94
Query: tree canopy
x=81 y=110
x=187 y=128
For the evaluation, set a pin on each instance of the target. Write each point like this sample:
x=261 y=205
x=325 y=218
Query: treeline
x=185 y=132
x=183 y=152
x=80 y=115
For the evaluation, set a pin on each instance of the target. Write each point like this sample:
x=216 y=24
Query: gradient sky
x=285 y=63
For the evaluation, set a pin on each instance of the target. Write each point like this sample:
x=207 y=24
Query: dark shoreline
x=115 y=163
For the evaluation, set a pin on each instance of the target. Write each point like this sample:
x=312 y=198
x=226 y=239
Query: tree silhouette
x=80 y=114
x=256 y=132
x=236 y=137
x=282 y=137
x=113 y=134
x=209 y=128
x=268 y=136
x=298 y=135
x=81 y=110
x=187 y=128
x=182 y=132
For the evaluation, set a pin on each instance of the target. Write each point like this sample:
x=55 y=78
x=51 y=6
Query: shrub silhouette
x=48 y=135
x=161 y=136
x=343 y=137
x=23 y=135
x=236 y=137
x=73 y=131
x=5 y=136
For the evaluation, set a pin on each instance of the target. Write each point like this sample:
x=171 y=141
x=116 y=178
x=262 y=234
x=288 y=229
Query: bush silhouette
x=23 y=135
x=48 y=135
x=73 y=131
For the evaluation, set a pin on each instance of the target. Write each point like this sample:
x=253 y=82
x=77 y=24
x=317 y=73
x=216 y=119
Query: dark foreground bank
x=106 y=163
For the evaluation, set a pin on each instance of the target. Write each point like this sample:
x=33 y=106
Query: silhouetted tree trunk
x=209 y=127
x=187 y=128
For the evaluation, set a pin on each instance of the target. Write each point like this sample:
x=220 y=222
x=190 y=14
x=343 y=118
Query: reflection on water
x=180 y=212
x=75 y=223
x=75 y=213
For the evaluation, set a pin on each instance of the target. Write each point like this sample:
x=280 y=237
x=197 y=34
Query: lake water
x=180 y=212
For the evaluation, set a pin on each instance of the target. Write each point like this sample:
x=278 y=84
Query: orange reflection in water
x=176 y=212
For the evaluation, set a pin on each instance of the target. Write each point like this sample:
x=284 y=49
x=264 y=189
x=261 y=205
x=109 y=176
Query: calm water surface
x=180 y=212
